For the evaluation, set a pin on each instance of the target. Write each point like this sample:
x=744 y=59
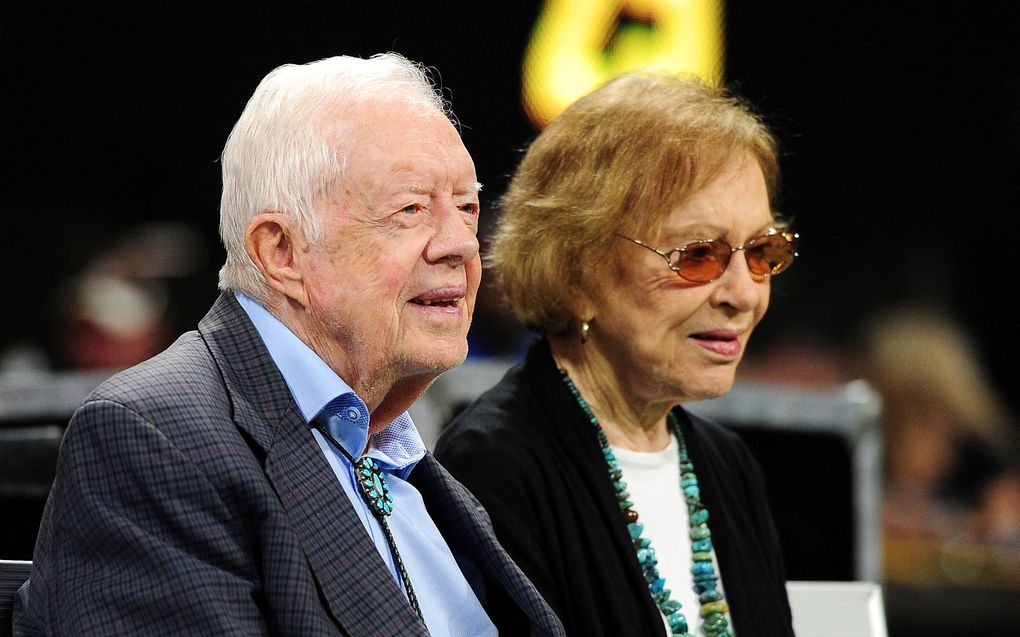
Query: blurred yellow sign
x=577 y=45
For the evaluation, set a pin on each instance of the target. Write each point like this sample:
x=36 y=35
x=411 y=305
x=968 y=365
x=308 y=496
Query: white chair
x=837 y=609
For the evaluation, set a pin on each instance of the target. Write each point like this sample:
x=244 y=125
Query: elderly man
x=262 y=475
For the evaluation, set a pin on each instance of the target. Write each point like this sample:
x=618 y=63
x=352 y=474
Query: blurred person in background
x=638 y=239
x=111 y=321
x=123 y=306
x=952 y=459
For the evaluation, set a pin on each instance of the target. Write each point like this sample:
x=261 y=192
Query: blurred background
x=899 y=124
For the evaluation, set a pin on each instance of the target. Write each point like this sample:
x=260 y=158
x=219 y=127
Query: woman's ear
x=273 y=245
x=581 y=305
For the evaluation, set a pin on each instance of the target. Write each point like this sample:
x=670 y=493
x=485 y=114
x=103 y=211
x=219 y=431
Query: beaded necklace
x=713 y=606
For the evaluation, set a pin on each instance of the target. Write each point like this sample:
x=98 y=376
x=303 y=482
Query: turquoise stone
x=701 y=545
x=699 y=517
x=677 y=621
x=705 y=583
x=635 y=528
x=372 y=483
x=714 y=621
x=707 y=579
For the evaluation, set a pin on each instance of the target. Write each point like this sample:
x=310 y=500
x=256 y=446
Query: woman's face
x=669 y=340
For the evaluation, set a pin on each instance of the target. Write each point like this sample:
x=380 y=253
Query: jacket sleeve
x=136 y=539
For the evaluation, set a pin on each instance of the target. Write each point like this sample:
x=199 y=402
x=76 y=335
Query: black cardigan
x=528 y=452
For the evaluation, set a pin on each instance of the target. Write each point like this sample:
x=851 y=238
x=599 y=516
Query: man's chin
x=437 y=356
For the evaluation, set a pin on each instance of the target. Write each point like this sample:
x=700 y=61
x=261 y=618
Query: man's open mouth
x=436 y=302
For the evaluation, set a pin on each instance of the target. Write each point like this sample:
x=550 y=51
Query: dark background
x=899 y=123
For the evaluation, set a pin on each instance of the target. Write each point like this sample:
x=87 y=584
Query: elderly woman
x=638 y=238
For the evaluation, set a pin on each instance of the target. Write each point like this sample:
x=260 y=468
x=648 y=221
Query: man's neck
x=385 y=392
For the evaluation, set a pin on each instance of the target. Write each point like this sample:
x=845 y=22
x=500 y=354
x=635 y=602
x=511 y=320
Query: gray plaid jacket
x=191 y=499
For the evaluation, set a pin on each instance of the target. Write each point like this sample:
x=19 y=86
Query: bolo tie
x=376 y=494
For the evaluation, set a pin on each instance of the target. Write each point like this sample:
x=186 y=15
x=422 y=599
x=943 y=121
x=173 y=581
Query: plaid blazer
x=191 y=499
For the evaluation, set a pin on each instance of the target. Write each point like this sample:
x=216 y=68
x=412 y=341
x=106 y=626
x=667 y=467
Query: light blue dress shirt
x=447 y=601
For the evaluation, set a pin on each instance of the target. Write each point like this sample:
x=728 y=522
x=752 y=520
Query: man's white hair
x=279 y=156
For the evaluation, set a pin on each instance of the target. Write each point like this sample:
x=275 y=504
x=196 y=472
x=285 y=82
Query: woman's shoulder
x=504 y=416
x=708 y=429
x=522 y=421
x=521 y=399
x=715 y=439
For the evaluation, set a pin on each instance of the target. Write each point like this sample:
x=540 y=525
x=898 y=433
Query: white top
x=653 y=481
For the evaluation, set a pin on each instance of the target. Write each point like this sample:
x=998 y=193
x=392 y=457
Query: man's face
x=391 y=284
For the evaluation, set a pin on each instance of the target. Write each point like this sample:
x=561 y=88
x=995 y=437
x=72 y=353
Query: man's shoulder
x=179 y=385
x=183 y=368
x=178 y=396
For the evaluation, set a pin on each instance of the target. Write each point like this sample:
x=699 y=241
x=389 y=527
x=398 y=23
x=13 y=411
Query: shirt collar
x=314 y=385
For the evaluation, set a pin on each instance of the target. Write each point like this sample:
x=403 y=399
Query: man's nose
x=455 y=238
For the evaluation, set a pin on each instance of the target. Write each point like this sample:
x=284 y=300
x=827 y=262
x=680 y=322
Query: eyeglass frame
x=791 y=238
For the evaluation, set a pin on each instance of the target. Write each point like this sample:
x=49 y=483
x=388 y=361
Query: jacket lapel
x=355 y=582
x=466 y=527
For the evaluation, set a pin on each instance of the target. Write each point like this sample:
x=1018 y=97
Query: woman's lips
x=722 y=342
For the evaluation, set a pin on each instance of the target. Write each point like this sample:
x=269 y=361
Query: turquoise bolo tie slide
x=373 y=487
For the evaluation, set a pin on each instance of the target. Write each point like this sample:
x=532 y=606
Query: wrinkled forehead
x=392 y=146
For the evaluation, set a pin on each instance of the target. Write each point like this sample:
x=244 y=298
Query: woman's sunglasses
x=706 y=260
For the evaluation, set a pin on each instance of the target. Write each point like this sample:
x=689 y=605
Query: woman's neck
x=629 y=420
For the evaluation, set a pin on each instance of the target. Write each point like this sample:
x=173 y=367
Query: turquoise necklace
x=706 y=582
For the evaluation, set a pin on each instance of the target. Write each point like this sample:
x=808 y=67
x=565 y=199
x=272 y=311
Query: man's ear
x=273 y=245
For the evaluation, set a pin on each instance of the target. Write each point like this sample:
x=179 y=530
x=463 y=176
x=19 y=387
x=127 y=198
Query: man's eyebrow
x=425 y=189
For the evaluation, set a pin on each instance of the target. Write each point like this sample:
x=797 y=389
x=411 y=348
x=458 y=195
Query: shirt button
x=353 y=413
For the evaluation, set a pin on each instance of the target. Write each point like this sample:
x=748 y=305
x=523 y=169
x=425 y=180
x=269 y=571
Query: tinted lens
x=703 y=261
x=770 y=254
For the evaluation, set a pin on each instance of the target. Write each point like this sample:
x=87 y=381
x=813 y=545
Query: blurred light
x=577 y=45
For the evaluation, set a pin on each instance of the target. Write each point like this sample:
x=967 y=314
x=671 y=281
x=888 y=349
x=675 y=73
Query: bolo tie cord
x=376 y=494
